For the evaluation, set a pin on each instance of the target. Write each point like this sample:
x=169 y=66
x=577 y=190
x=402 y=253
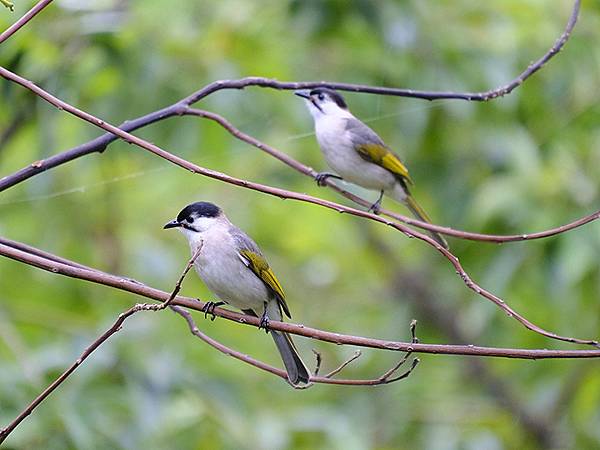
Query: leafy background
x=518 y=164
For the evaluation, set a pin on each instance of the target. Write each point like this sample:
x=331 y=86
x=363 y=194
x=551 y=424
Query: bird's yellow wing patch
x=382 y=156
x=259 y=265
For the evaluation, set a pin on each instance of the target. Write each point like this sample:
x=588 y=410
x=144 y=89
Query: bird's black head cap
x=333 y=95
x=199 y=209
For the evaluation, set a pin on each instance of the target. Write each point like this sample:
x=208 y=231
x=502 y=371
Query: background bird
x=233 y=267
x=358 y=154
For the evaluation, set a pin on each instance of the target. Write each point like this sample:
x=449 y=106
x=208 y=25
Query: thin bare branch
x=38 y=252
x=177 y=287
x=345 y=364
x=412 y=93
x=426 y=95
x=5 y=432
x=386 y=378
x=38 y=7
x=134 y=287
x=100 y=143
x=223 y=348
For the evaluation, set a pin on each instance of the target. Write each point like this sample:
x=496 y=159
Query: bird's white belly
x=345 y=161
x=228 y=278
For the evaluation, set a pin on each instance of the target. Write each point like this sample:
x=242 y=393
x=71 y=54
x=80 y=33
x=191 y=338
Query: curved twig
x=345 y=364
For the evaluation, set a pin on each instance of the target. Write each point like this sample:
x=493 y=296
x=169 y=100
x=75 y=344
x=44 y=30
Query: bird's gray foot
x=264 y=322
x=376 y=207
x=209 y=308
x=321 y=178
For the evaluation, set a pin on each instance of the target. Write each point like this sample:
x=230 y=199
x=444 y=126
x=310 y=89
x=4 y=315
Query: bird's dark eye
x=190 y=220
x=321 y=97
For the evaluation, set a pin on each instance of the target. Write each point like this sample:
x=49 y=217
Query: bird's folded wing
x=383 y=157
x=371 y=148
x=259 y=265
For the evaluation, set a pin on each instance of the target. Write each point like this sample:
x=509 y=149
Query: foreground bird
x=358 y=154
x=233 y=267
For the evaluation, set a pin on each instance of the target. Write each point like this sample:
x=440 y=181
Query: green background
x=523 y=163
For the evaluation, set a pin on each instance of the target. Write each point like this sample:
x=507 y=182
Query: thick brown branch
x=24 y=20
x=92 y=275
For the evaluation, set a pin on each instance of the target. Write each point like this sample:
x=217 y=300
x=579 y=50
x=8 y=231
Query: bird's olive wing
x=371 y=148
x=259 y=265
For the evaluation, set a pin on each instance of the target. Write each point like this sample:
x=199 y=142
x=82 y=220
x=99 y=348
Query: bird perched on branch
x=358 y=154
x=233 y=267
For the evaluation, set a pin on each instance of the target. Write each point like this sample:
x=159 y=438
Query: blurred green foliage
x=523 y=163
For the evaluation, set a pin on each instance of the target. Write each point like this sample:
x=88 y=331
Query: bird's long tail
x=296 y=369
x=401 y=194
x=420 y=214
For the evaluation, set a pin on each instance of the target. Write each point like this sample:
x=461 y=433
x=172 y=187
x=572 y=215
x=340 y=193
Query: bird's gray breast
x=223 y=271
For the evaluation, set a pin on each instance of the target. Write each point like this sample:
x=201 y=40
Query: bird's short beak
x=303 y=93
x=172 y=224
